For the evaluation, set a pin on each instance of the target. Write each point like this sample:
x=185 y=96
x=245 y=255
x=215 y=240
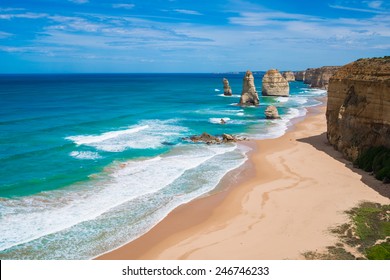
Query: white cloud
x=79 y=1
x=123 y=6
x=25 y=15
x=5 y=34
x=357 y=9
x=375 y=4
x=188 y=12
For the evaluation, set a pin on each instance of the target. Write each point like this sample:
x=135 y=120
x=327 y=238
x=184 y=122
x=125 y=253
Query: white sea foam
x=216 y=90
x=240 y=114
x=282 y=99
x=32 y=217
x=85 y=155
x=91 y=139
x=218 y=120
x=149 y=134
x=233 y=95
x=299 y=100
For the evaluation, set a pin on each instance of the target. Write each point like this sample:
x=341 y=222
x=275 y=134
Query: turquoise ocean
x=92 y=161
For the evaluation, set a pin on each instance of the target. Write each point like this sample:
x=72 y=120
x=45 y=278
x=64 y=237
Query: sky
x=192 y=36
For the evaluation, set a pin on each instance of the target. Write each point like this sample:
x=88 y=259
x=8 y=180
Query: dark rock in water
x=228 y=138
x=168 y=143
x=206 y=138
x=210 y=139
x=226 y=88
x=271 y=112
x=222 y=121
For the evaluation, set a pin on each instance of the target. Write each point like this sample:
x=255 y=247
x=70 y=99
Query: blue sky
x=65 y=36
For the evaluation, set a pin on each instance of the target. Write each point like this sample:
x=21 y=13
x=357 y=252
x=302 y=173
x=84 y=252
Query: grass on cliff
x=376 y=160
x=365 y=236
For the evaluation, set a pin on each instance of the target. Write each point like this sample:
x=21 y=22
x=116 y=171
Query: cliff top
x=377 y=68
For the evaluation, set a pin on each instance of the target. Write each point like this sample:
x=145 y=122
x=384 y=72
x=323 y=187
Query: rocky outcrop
x=308 y=75
x=319 y=77
x=210 y=139
x=289 y=76
x=300 y=76
x=226 y=87
x=249 y=94
x=274 y=84
x=358 y=110
x=271 y=112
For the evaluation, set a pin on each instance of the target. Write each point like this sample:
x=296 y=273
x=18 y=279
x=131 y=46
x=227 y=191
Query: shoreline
x=282 y=205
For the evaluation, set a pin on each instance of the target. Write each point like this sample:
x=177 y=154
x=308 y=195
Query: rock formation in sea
x=226 y=87
x=319 y=77
x=299 y=75
x=211 y=139
x=274 y=84
x=271 y=112
x=249 y=94
x=289 y=76
x=358 y=110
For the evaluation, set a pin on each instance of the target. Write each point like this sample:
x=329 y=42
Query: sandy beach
x=291 y=192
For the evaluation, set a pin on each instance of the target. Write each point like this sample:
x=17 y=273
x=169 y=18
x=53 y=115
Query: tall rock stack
x=226 y=87
x=274 y=84
x=249 y=94
x=358 y=110
x=289 y=76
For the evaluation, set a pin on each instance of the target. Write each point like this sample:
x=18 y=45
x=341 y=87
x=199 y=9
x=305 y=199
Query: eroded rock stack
x=289 y=76
x=274 y=84
x=249 y=94
x=358 y=110
x=271 y=112
x=226 y=87
x=300 y=76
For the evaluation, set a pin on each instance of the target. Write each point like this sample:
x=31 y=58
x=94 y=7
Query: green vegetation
x=376 y=160
x=366 y=236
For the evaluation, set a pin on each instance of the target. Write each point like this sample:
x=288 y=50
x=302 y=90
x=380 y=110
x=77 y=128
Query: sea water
x=90 y=162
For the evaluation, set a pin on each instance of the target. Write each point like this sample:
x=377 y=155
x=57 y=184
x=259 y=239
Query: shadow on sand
x=321 y=143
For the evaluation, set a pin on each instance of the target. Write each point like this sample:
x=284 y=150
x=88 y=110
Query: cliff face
x=249 y=94
x=358 y=110
x=300 y=76
x=274 y=84
x=319 y=77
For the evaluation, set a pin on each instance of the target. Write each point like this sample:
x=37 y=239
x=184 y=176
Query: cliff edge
x=358 y=109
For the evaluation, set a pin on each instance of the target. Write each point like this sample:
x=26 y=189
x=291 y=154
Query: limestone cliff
x=289 y=76
x=226 y=87
x=308 y=75
x=358 y=110
x=249 y=94
x=299 y=75
x=274 y=84
x=320 y=77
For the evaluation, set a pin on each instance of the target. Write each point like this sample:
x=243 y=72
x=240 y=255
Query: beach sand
x=291 y=192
